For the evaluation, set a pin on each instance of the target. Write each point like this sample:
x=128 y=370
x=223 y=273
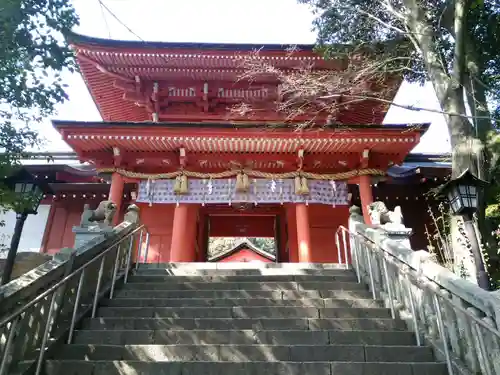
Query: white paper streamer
x=262 y=191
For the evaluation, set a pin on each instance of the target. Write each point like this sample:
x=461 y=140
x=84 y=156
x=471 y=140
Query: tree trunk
x=467 y=154
x=467 y=141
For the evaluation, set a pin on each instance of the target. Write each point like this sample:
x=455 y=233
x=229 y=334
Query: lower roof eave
x=62 y=124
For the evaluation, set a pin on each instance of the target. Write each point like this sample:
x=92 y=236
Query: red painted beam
x=310 y=160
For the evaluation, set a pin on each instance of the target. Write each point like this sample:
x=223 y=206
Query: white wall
x=31 y=237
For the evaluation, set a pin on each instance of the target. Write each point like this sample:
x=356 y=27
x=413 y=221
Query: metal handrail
x=15 y=318
x=426 y=283
x=139 y=250
x=23 y=308
x=461 y=309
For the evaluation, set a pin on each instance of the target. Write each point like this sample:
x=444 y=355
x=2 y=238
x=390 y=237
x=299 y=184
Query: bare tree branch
x=385 y=24
x=311 y=97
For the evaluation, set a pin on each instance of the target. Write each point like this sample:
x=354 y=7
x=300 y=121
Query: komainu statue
x=356 y=213
x=102 y=215
x=380 y=215
x=132 y=214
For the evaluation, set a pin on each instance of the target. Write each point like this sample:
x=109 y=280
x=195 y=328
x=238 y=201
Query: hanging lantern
x=239 y=183
x=242 y=183
x=181 y=185
x=184 y=188
x=298 y=186
x=305 y=186
x=246 y=181
x=177 y=185
x=301 y=186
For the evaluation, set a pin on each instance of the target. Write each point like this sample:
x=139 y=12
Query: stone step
x=271 y=286
x=243 y=324
x=243 y=302
x=248 y=353
x=255 y=272
x=74 y=367
x=242 y=312
x=243 y=337
x=230 y=294
x=242 y=266
x=148 y=277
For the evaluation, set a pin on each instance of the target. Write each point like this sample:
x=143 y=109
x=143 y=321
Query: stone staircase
x=281 y=319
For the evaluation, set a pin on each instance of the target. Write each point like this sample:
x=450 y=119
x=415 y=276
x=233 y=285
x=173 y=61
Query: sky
x=229 y=21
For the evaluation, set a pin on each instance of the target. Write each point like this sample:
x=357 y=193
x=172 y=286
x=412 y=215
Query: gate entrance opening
x=243 y=233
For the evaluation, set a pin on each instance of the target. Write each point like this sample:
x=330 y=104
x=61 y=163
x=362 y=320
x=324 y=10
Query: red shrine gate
x=262 y=221
x=201 y=169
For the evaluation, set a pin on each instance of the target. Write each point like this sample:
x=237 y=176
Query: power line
x=120 y=21
x=101 y=5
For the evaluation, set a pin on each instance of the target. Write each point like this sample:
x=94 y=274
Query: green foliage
x=393 y=23
x=374 y=22
x=493 y=198
x=439 y=235
x=33 y=54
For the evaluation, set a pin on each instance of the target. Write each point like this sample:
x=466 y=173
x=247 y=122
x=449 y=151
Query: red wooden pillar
x=182 y=247
x=48 y=227
x=116 y=194
x=366 y=196
x=303 y=233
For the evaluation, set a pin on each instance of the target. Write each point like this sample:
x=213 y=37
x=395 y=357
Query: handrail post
x=115 y=271
x=442 y=333
x=413 y=311
x=98 y=286
x=129 y=257
x=354 y=250
x=345 y=249
x=482 y=350
x=147 y=247
x=46 y=333
x=10 y=337
x=337 y=242
x=389 y=289
x=139 y=250
x=75 y=308
x=370 y=272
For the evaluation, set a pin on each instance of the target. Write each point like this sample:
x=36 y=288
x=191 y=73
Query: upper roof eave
x=83 y=40
x=420 y=127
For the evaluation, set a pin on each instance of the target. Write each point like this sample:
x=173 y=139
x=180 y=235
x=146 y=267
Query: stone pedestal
x=463 y=258
x=398 y=233
x=86 y=234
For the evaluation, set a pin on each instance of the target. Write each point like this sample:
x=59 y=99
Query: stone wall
x=26 y=262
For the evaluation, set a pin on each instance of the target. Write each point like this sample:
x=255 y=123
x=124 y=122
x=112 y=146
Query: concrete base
x=85 y=234
x=398 y=233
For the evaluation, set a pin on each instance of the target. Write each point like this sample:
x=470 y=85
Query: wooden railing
x=41 y=308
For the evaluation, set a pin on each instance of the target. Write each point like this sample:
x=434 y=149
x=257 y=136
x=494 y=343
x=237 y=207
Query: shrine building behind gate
x=200 y=170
